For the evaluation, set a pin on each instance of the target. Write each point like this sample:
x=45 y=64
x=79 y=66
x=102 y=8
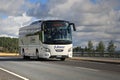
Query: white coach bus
x=46 y=39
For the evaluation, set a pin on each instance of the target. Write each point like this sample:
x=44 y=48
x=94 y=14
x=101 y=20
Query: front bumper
x=59 y=56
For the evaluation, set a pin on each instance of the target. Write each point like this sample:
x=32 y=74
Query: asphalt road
x=57 y=70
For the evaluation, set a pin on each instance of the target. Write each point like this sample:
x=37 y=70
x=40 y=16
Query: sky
x=95 y=20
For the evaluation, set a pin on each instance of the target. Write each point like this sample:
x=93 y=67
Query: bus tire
x=25 y=57
x=23 y=52
x=62 y=59
x=37 y=53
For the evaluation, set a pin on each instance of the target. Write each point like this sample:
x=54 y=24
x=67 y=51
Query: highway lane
x=91 y=64
x=58 y=70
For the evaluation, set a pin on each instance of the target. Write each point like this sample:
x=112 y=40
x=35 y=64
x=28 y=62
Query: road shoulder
x=98 y=59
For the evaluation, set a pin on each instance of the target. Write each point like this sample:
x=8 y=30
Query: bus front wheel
x=62 y=59
x=26 y=57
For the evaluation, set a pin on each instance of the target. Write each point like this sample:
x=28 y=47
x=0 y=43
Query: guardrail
x=86 y=54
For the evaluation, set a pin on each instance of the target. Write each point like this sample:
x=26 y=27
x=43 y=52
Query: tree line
x=8 y=44
x=100 y=48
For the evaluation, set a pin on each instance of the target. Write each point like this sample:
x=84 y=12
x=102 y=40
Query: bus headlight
x=70 y=50
x=46 y=49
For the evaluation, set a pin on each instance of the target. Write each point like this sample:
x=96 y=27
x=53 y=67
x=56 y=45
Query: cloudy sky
x=96 y=20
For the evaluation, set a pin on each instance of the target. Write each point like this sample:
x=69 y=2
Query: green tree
x=111 y=47
x=8 y=44
x=90 y=46
x=86 y=49
x=100 y=48
x=77 y=49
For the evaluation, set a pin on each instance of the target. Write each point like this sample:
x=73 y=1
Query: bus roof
x=38 y=23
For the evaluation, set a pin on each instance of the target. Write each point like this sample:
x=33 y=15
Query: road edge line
x=13 y=74
x=87 y=69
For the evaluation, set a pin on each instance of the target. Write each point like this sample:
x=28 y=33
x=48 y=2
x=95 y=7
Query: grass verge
x=8 y=54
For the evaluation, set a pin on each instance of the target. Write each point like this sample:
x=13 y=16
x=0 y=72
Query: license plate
x=59 y=56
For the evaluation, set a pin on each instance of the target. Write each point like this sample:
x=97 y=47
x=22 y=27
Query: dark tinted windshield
x=57 y=33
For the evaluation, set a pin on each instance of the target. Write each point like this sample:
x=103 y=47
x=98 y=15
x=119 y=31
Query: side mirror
x=73 y=26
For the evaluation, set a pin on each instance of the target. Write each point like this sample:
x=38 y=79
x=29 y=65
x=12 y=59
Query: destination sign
x=58 y=24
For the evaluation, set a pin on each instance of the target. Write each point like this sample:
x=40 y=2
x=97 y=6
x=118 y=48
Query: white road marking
x=13 y=74
x=99 y=63
x=87 y=68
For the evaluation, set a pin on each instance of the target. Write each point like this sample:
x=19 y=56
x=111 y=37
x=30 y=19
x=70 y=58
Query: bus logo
x=59 y=47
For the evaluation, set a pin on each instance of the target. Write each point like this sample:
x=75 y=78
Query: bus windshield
x=57 y=33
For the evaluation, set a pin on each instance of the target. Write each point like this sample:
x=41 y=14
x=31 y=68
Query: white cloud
x=11 y=25
x=11 y=7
